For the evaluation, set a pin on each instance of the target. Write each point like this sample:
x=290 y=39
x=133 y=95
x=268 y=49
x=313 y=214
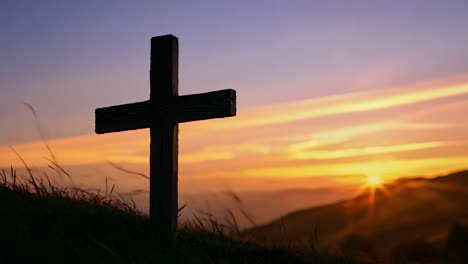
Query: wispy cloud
x=366 y=150
x=341 y=104
x=349 y=134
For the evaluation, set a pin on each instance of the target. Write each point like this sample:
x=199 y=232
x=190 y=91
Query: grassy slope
x=408 y=210
x=57 y=229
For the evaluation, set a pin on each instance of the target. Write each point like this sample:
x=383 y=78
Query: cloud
x=387 y=168
x=340 y=104
x=348 y=134
x=366 y=150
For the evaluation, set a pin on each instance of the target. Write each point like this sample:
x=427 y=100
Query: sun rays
x=373 y=184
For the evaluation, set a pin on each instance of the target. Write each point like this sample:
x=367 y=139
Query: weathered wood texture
x=210 y=105
x=177 y=109
x=161 y=114
x=164 y=179
x=123 y=117
x=164 y=138
x=164 y=69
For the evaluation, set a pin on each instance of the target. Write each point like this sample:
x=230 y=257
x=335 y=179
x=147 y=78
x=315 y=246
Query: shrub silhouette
x=417 y=251
x=359 y=248
x=456 y=246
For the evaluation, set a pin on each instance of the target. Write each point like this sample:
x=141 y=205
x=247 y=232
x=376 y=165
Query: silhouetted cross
x=161 y=114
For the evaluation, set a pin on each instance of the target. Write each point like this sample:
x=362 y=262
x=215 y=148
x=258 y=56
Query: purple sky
x=68 y=57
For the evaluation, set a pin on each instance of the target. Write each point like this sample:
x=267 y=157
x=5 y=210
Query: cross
x=161 y=114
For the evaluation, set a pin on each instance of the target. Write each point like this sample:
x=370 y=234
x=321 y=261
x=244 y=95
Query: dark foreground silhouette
x=40 y=223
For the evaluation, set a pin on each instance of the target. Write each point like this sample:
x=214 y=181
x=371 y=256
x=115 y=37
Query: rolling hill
x=47 y=224
x=405 y=210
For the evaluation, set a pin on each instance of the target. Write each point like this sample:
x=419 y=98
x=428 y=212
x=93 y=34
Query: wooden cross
x=162 y=113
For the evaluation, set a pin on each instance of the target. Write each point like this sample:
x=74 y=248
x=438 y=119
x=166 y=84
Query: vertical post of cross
x=164 y=138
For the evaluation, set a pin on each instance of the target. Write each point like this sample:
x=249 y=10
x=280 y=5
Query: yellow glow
x=332 y=137
x=389 y=133
x=374 y=181
x=354 y=152
x=388 y=168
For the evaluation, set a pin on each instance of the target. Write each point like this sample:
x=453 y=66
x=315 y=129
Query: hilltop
x=407 y=210
x=41 y=223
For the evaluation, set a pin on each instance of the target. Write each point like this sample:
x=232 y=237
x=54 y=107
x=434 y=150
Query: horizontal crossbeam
x=178 y=109
x=123 y=117
x=202 y=106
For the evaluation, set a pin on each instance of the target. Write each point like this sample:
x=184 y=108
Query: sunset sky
x=329 y=92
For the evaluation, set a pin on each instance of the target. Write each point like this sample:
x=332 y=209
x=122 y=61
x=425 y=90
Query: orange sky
x=418 y=129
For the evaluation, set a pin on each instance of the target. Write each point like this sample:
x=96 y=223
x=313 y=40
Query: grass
x=44 y=223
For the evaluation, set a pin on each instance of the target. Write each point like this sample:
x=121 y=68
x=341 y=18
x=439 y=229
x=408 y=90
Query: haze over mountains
x=250 y=207
x=406 y=210
x=259 y=206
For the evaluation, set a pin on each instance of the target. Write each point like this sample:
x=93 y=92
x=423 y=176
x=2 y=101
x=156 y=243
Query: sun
x=373 y=181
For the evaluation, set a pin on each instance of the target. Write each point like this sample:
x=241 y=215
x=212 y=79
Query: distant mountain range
x=259 y=206
x=405 y=210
